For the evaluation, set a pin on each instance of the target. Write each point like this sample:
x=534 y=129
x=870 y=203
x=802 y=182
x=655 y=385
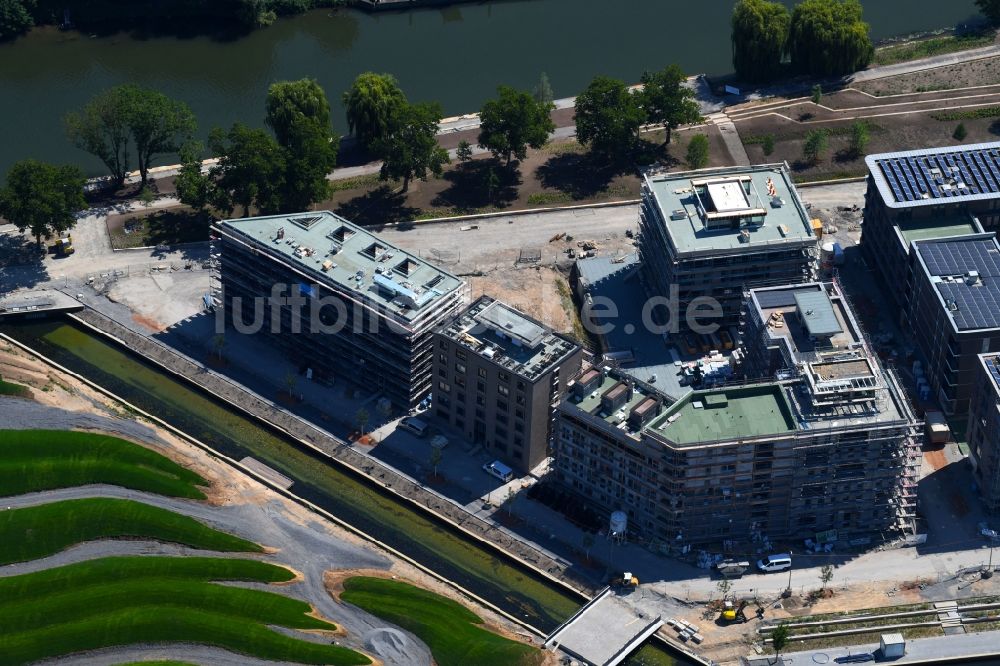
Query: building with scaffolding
x=827 y=447
x=342 y=303
x=499 y=375
x=984 y=430
x=954 y=312
x=714 y=232
x=921 y=195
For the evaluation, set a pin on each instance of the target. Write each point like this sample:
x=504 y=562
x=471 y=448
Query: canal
x=456 y=55
x=439 y=547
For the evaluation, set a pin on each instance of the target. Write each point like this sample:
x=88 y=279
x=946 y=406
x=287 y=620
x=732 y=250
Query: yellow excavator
x=626 y=580
x=732 y=612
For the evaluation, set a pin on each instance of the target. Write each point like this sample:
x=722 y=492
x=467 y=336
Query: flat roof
x=728 y=413
x=966 y=272
x=992 y=363
x=339 y=253
x=816 y=310
x=934 y=176
x=692 y=202
x=509 y=338
x=938 y=227
x=778 y=308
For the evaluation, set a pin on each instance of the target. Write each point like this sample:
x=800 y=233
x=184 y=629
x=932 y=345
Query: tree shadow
x=470 y=187
x=21 y=263
x=995 y=128
x=378 y=208
x=172 y=227
x=846 y=155
x=579 y=175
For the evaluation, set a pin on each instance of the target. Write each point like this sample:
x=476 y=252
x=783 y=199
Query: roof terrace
x=810 y=318
x=755 y=410
x=340 y=254
x=731 y=208
x=942 y=226
x=509 y=338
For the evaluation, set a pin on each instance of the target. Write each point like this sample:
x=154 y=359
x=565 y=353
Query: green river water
x=442 y=549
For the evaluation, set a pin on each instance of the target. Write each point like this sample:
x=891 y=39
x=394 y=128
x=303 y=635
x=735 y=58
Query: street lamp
x=788 y=591
x=988 y=572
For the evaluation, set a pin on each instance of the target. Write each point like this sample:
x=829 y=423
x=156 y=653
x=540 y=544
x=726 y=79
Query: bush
x=960 y=132
x=815 y=145
x=972 y=114
x=697 y=151
x=768 y=144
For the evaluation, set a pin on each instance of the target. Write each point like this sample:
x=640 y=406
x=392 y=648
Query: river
x=456 y=55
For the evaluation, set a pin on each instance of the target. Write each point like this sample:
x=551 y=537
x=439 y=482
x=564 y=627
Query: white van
x=499 y=470
x=773 y=563
x=414 y=425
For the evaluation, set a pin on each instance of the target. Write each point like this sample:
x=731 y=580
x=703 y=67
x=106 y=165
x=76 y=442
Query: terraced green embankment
x=40 y=531
x=127 y=600
x=34 y=460
x=452 y=632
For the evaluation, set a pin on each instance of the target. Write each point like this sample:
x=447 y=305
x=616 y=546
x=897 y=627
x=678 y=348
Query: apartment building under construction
x=827 y=448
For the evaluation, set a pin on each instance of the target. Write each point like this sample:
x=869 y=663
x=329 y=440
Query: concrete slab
x=27 y=304
x=604 y=631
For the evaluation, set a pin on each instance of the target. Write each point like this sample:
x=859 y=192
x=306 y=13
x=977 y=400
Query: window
x=519 y=413
x=480 y=414
x=503 y=390
x=443 y=344
x=481 y=400
x=502 y=405
x=504 y=377
x=443 y=373
x=481 y=386
x=460 y=367
x=520 y=400
x=459 y=410
x=443 y=358
x=501 y=418
x=501 y=433
x=444 y=386
x=518 y=441
x=459 y=381
x=520 y=385
x=460 y=355
x=442 y=400
x=482 y=372
x=519 y=427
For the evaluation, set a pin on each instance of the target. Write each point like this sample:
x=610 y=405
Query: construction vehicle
x=63 y=247
x=732 y=612
x=626 y=581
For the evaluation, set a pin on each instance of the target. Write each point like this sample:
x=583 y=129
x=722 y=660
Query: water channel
x=444 y=550
x=456 y=55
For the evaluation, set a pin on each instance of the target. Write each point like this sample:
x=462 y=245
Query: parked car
x=413 y=425
x=773 y=563
x=499 y=470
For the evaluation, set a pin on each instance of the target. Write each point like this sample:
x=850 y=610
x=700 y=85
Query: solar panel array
x=974 y=304
x=994 y=365
x=943 y=175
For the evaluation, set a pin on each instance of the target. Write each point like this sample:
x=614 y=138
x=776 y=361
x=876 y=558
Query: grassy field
x=126 y=600
x=926 y=48
x=40 y=531
x=6 y=388
x=449 y=629
x=33 y=460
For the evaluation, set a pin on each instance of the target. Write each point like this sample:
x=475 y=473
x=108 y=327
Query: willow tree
x=829 y=38
x=370 y=104
x=760 y=35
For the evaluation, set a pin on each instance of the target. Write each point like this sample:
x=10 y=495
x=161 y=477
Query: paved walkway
x=925 y=63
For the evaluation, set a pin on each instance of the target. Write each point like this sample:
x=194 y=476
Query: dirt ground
x=975 y=73
x=533 y=290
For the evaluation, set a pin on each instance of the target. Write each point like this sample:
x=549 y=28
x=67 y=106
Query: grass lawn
x=126 y=600
x=158 y=663
x=39 y=531
x=33 y=460
x=6 y=388
x=449 y=629
x=926 y=48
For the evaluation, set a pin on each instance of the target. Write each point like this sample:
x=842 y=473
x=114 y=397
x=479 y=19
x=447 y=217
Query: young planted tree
x=829 y=38
x=859 y=138
x=779 y=640
x=512 y=122
x=817 y=94
x=464 y=151
x=668 y=101
x=815 y=146
x=299 y=115
x=146 y=196
x=101 y=128
x=960 y=132
x=250 y=170
x=543 y=90
x=194 y=187
x=767 y=144
x=588 y=543
x=724 y=586
x=42 y=198
x=370 y=104
x=826 y=575
x=435 y=459
x=608 y=117
x=697 y=151
x=290 y=381
x=410 y=148
x=760 y=36
x=361 y=420
x=219 y=344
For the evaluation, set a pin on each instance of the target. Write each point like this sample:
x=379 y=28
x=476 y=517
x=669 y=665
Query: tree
x=826 y=575
x=194 y=187
x=588 y=543
x=370 y=104
x=101 y=128
x=779 y=640
x=990 y=9
x=760 y=36
x=724 y=586
x=815 y=145
x=667 y=100
x=697 y=152
x=15 y=18
x=828 y=38
x=250 y=170
x=410 y=148
x=218 y=344
x=543 y=90
x=464 y=151
x=512 y=122
x=859 y=138
x=436 y=455
x=156 y=123
x=817 y=94
x=290 y=381
x=146 y=196
x=768 y=144
x=299 y=115
x=960 y=132
x=361 y=419
x=42 y=198
x=608 y=116
x=510 y=500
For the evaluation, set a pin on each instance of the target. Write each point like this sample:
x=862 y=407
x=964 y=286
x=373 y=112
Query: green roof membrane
x=726 y=414
x=937 y=228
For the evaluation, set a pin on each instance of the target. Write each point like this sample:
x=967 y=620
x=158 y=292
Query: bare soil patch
x=985 y=71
